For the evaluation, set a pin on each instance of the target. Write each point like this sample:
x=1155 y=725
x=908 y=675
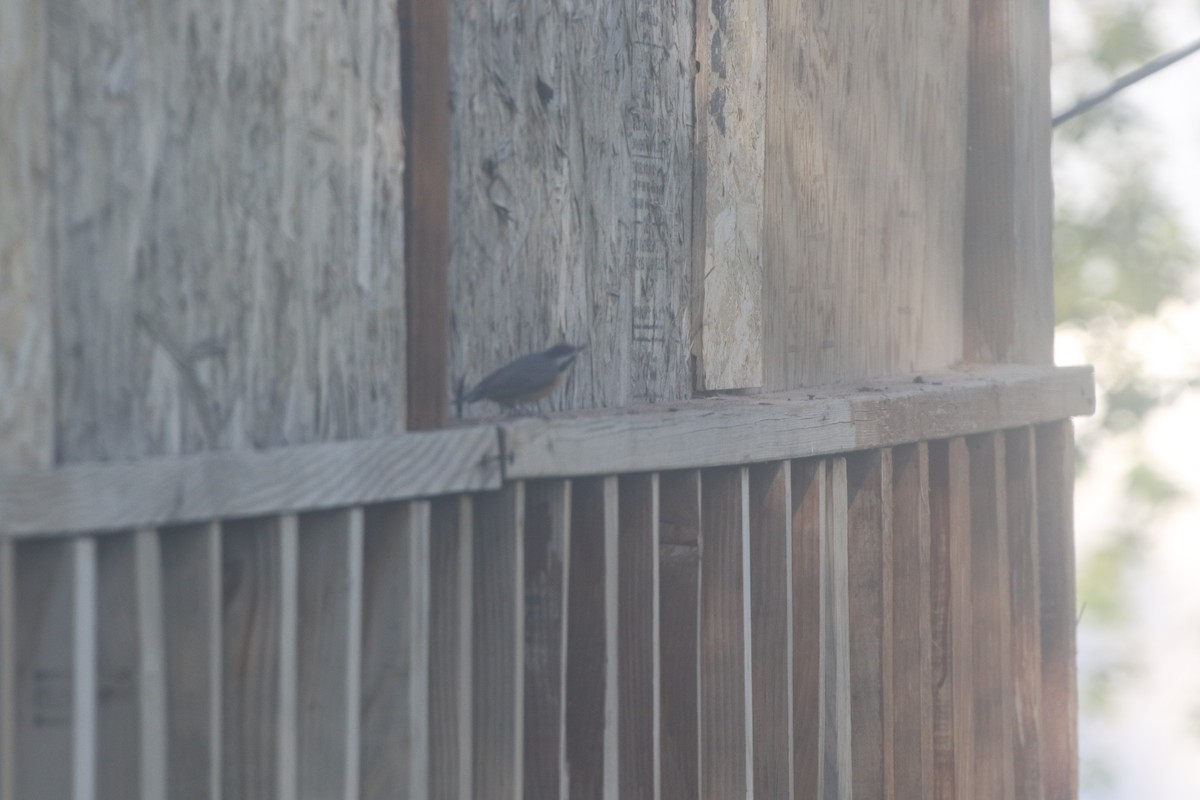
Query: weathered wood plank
x=119 y=747
x=85 y=658
x=152 y=684
x=731 y=94
x=8 y=670
x=807 y=526
x=770 y=538
x=395 y=687
x=226 y=226
x=191 y=584
x=497 y=649
x=637 y=642
x=196 y=488
x=726 y=746
x=571 y=168
x=329 y=654
x=865 y=136
x=951 y=612
x=1056 y=584
x=26 y=302
x=1020 y=491
x=547 y=544
x=837 y=765
x=865 y=415
x=679 y=604
x=869 y=545
x=425 y=108
x=1008 y=279
x=992 y=675
x=912 y=721
x=450 y=609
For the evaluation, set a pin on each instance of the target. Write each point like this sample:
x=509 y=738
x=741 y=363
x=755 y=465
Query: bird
x=527 y=379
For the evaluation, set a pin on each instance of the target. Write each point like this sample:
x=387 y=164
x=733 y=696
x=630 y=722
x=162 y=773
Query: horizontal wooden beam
x=160 y=491
x=796 y=424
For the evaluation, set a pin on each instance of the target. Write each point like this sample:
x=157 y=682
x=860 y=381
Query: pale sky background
x=1147 y=744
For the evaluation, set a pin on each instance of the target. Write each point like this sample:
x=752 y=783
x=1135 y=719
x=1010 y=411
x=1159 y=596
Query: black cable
x=1125 y=81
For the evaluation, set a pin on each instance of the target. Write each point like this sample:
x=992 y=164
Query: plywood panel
x=679 y=604
x=227 y=225
x=865 y=152
x=546 y=542
x=571 y=164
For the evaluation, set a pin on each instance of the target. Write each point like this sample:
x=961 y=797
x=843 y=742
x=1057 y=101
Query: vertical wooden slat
x=330 y=572
x=119 y=746
x=807 y=525
x=449 y=650
x=1056 y=560
x=912 y=721
x=868 y=624
x=612 y=710
x=836 y=750
x=497 y=655
x=8 y=670
x=84 y=656
x=991 y=619
x=547 y=554
x=770 y=532
x=637 y=575
x=191 y=584
x=425 y=102
x=679 y=604
x=587 y=640
x=289 y=651
x=251 y=636
x=395 y=651
x=152 y=686
x=1021 y=480
x=44 y=602
x=950 y=614
x=724 y=733
x=1008 y=310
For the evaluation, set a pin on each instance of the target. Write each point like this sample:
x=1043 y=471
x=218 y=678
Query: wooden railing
x=846 y=593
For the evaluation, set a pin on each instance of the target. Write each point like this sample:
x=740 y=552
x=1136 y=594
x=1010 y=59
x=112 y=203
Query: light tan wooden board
x=571 y=174
x=227 y=226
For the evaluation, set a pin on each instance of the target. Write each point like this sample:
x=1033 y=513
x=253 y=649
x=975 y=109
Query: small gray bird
x=526 y=380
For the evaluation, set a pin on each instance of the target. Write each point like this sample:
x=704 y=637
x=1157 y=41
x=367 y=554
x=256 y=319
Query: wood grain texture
x=191 y=582
x=450 y=610
x=425 y=107
x=547 y=543
x=394 y=760
x=863 y=228
x=1008 y=298
x=212 y=486
x=837 y=766
x=497 y=649
x=862 y=415
x=1056 y=585
x=26 y=304
x=731 y=94
x=726 y=749
x=329 y=653
x=119 y=745
x=227 y=226
x=679 y=604
x=808 y=511
x=251 y=644
x=912 y=721
x=1020 y=492
x=571 y=159
x=869 y=550
x=770 y=508
x=637 y=626
x=951 y=612
x=45 y=712
x=84 y=667
x=992 y=674
x=8 y=671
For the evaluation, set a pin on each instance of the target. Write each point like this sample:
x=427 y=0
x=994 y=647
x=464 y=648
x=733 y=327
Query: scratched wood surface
x=571 y=148
x=227 y=230
x=863 y=221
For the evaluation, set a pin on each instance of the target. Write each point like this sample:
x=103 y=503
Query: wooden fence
x=857 y=593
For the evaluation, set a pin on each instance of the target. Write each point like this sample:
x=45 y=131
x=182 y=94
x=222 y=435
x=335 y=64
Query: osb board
x=227 y=227
x=866 y=126
x=570 y=209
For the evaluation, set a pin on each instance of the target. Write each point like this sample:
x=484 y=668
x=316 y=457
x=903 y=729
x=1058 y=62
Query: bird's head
x=564 y=355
